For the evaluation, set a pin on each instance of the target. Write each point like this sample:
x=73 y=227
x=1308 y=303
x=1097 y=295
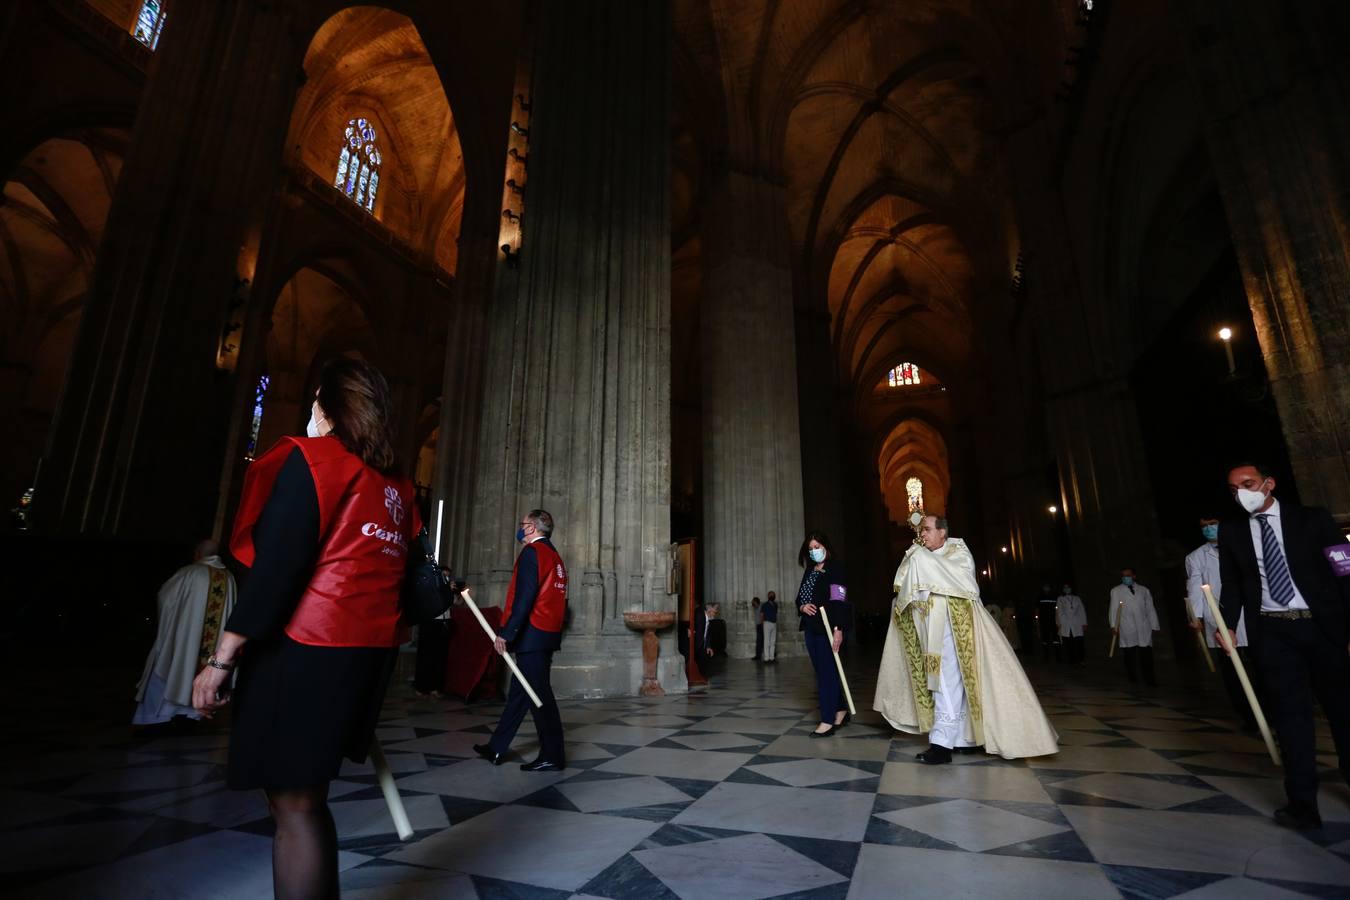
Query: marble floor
x=719 y=794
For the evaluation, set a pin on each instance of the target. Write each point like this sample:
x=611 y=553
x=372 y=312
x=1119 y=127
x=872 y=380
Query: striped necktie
x=1278 y=581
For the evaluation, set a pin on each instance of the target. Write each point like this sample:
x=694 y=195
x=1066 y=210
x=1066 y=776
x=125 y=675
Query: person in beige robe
x=193 y=604
x=947 y=668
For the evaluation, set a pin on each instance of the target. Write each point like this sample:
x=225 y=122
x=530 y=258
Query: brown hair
x=355 y=398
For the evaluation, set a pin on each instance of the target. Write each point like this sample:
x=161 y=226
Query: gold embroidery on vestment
x=215 y=606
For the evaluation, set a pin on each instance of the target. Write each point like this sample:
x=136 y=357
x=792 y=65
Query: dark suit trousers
x=535 y=666
x=1139 y=658
x=1299 y=661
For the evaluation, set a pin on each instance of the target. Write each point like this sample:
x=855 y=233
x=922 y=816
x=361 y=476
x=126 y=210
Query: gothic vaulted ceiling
x=368 y=62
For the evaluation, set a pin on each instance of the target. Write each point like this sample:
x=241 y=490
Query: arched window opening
x=903 y=374
x=259 y=395
x=150 y=23
x=914 y=489
x=358 y=168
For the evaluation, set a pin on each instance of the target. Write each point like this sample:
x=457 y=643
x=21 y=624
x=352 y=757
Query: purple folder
x=839 y=592
x=1339 y=557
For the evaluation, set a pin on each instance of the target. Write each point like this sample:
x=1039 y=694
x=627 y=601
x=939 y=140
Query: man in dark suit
x=1298 y=623
x=710 y=637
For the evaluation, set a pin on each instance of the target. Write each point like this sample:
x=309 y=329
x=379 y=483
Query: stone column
x=576 y=410
x=752 y=470
x=138 y=438
x=1274 y=82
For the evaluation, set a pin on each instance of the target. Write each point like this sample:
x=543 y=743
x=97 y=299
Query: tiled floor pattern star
x=720 y=794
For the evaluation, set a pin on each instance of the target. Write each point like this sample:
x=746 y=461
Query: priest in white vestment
x=192 y=605
x=947 y=668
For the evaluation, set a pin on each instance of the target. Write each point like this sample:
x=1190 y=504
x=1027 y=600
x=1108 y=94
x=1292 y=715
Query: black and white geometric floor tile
x=711 y=795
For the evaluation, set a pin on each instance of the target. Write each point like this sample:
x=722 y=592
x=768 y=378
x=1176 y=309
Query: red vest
x=550 y=606
x=366 y=520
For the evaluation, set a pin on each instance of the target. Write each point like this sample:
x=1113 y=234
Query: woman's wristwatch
x=217 y=664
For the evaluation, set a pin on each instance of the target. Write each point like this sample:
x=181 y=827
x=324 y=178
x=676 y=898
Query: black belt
x=1287 y=613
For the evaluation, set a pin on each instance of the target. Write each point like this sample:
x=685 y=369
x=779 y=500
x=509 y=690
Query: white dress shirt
x=1268 y=602
x=1202 y=567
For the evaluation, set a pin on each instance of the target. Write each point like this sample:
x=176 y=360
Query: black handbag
x=427 y=591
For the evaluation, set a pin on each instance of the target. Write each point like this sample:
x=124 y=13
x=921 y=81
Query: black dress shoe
x=1300 y=820
x=542 y=765
x=492 y=756
x=848 y=717
x=966 y=751
x=934 y=756
x=833 y=729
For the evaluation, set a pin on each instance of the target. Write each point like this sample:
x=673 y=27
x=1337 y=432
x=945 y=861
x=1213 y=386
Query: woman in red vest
x=323 y=525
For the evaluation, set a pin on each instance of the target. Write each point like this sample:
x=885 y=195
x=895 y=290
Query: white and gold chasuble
x=937 y=590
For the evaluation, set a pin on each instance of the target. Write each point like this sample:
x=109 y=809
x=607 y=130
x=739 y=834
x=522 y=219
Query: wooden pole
x=510 y=660
x=1227 y=640
x=390 y=791
x=1115 y=631
x=1199 y=633
x=838 y=664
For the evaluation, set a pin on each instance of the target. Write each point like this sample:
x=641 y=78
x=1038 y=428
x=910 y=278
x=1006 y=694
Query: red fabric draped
x=472 y=664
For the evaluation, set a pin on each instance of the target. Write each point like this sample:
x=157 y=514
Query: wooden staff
x=510 y=660
x=838 y=664
x=390 y=791
x=1115 y=632
x=1200 y=634
x=1227 y=640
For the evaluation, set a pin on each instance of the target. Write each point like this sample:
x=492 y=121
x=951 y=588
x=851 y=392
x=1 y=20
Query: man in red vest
x=536 y=606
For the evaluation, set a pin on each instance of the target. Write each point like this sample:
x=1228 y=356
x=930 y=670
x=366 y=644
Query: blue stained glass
x=359 y=178
x=259 y=396
x=342 y=169
x=149 y=23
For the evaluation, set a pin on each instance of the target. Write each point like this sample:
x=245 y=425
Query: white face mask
x=1251 y=501
x=817 y=554
x=312 y=429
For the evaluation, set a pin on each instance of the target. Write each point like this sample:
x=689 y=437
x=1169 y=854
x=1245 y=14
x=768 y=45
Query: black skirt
x=300 y=710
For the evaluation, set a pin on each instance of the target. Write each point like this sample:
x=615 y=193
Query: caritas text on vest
x=370 y=529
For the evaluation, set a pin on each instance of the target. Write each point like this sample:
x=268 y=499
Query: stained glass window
x=343 y=160
x=903 y=374
x=150 y=23
x=259 y=395
x=914 y=488
x=358 y=170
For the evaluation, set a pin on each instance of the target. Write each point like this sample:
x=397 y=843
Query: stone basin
x=648 y=621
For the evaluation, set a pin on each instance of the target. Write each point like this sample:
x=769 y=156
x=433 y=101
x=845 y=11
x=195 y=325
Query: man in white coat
x=1071 y=617
x=1202 y=567
x=1134 y=619
x=193 y=604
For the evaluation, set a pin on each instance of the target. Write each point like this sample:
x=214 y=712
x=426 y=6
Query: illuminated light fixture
x=1003 y=549
x=1226 y=335
x=1053 y=509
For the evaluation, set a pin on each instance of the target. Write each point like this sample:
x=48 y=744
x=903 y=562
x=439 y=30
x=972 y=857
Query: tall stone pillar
x=752 y=470
x=138 y=438
x=1274 y=81
x=576 y=410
